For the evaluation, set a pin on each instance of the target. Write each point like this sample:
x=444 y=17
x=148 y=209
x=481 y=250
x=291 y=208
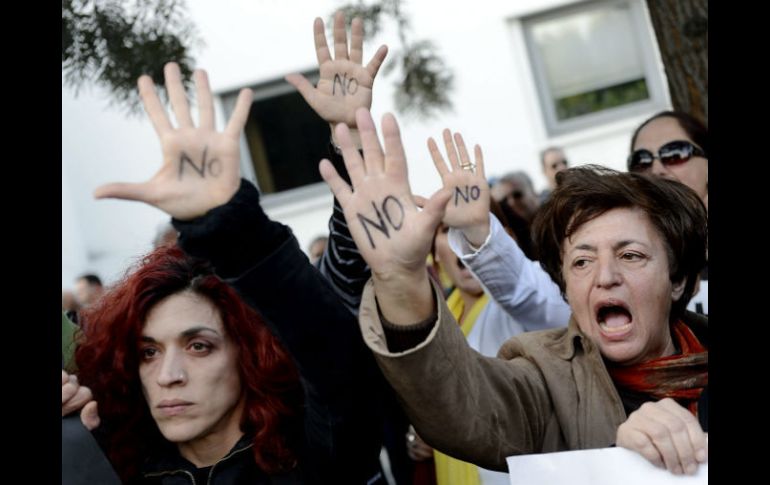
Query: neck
x=207 y=451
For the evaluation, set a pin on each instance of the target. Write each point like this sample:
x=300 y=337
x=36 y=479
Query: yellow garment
x=451 y=471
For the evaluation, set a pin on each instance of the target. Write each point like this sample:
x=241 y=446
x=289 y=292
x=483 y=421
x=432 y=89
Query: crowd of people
x=451 y=331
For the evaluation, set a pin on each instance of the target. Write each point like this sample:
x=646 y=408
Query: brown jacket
x=547 y=391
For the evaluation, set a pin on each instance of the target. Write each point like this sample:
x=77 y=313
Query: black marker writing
x=380 y=227
x=387 y=212
x=470 y=194
x=346 y=85
x=214 y=165
x=387 y=209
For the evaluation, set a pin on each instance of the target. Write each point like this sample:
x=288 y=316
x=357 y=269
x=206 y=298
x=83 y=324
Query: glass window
x=284 y=139
x=593 y=63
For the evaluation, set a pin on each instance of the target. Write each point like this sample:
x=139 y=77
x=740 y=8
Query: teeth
x=608 y=329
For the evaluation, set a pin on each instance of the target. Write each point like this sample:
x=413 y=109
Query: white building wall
x=250 y=41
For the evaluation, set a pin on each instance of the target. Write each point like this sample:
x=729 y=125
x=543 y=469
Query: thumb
x=302 y=85
x=122 y=191
x=435 y=207
x=89 y=416
x=419 y=201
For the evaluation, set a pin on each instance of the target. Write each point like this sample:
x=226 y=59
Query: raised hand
x=345 y=84
x=666 y=434
x=201 y=167
x=468 y=207
x=393 y=236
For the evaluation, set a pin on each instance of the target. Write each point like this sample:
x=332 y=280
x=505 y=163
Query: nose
x=172 y=369
x=608 y=274
x=659 y=170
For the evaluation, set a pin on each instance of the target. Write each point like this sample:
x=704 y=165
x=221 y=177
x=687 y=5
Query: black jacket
x=340 y=438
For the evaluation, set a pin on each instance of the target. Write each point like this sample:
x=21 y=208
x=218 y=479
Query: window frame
x=652 y=68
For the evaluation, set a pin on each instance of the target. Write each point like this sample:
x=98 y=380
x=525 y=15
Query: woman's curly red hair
x=108 y=362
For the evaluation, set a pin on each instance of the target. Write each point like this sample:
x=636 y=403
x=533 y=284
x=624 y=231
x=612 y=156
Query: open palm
x=344 y=84
x=201 y=167
x=469 y=204
x=393 y=236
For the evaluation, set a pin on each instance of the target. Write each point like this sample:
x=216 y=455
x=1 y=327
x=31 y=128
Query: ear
x=677 y=289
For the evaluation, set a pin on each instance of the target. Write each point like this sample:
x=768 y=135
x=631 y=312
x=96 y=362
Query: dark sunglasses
x=672 y=153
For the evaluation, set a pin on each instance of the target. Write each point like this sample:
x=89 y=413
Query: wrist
x=477 y=234
x=405 y=297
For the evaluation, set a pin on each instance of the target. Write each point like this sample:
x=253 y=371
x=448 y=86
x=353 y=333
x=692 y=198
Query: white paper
x=604 y=466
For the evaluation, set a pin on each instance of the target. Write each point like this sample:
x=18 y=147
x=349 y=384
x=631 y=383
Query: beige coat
x=547 y=391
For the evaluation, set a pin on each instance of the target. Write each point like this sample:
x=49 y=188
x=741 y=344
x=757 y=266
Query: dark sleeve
x=262 y=260
x=341 y=263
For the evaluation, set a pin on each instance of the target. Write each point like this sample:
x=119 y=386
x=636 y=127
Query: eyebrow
x=186 y=334
x=615 y=247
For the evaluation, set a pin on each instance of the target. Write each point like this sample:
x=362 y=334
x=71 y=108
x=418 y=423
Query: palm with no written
x=468 y=207
x=201 y=166
x=345 y=84
x=393 y=236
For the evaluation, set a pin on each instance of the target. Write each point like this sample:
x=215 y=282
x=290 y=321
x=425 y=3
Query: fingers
x=479 y=156
x=638 y=441
x=357 y=40
x=204 y=98
x=69 y=389
x=152 y=105
x=321 y=47
x=73 y=396
x=465 y=159
x=64 y=377
x=89 y=416
x=353 y=162
x=338 y=186
x=691 y=442
x=373 y=157
x=177 y=95
x=438 y=160
x=240 y=114
x=419 y=201
x=123 y=191
x=305 y=88
x=667 y=435
x=374 y=65
x=395 y=158
x=435 y=207
x=450 y=150
x=340 y=37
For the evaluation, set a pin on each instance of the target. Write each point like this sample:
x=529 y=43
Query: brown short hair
x=586 y=192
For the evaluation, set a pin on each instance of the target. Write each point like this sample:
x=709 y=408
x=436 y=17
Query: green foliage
x=425 y=81
x=423 y=90
x=111 y=43
x=601 y=99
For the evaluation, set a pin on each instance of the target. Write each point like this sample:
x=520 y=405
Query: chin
x=621 y=354
x=178 y=433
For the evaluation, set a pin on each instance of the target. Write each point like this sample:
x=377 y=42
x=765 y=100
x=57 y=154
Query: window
x=284 y=139
x=593 y=63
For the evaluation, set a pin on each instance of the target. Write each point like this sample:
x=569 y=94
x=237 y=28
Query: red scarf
x=681 y=377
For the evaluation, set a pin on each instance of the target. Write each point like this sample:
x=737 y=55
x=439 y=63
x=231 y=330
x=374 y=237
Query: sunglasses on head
x=672 y=153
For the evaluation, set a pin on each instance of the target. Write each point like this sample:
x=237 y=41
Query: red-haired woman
x=189 y=381
x=174 y=355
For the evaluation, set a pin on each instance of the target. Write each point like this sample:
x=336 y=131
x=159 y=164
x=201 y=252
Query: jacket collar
x=170 y=461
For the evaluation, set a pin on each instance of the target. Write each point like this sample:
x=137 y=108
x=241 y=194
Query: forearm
x=341 y=263
x=442 y=380
x=520 y=286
